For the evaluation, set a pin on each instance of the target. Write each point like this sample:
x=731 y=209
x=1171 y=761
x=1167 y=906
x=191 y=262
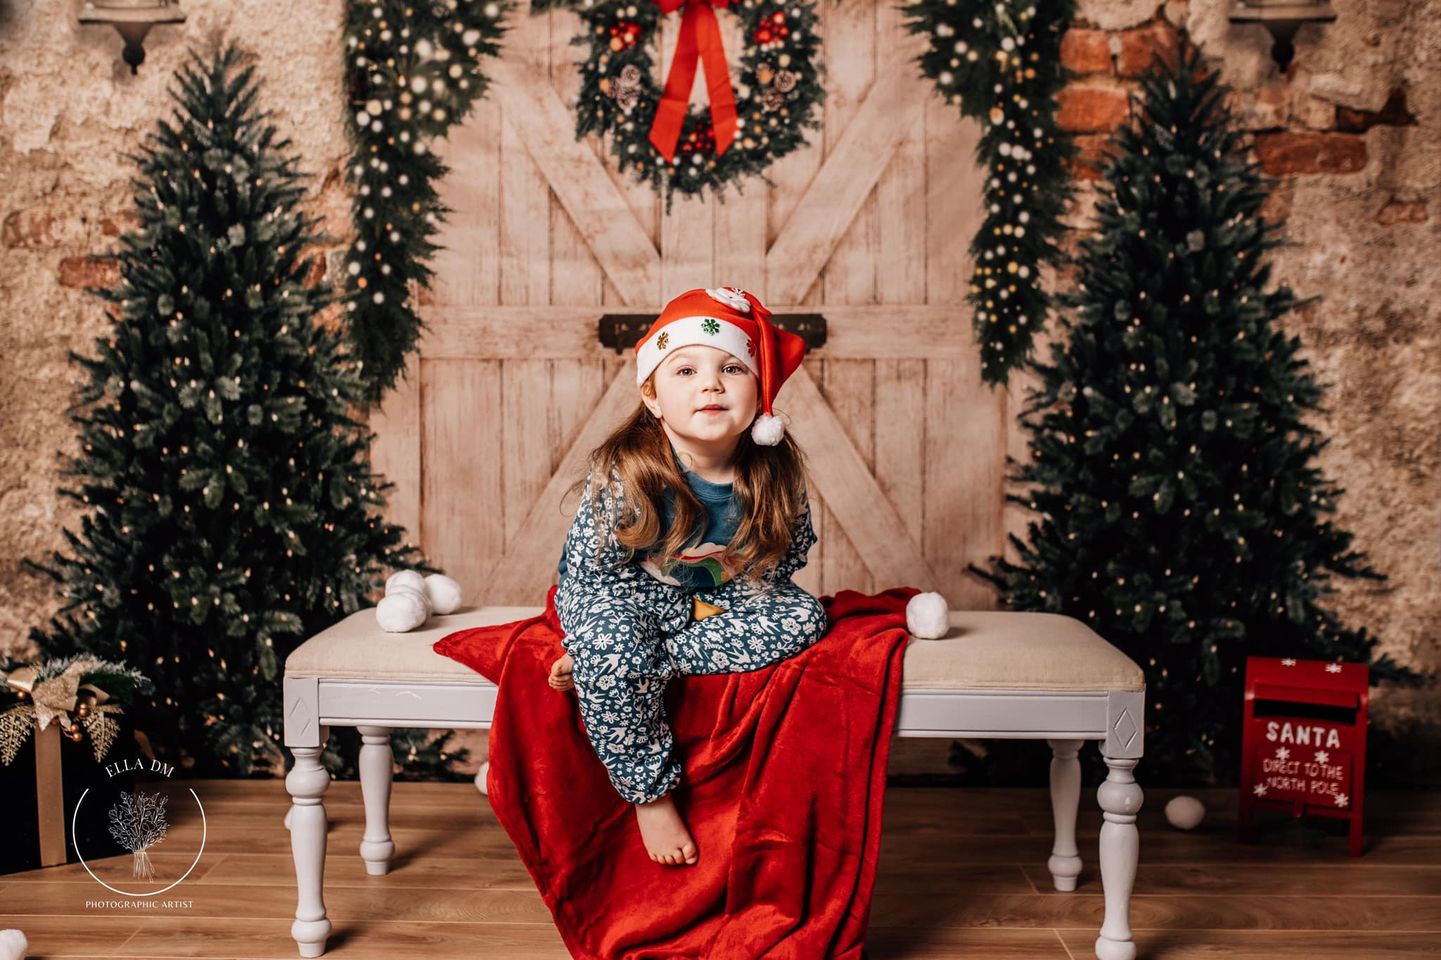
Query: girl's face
x=705 y=397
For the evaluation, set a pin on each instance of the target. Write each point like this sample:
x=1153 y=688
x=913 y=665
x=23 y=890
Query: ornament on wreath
x=654 y=132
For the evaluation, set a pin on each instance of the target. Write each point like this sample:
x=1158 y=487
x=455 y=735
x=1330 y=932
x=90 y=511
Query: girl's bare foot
x=562 y=674
x=666 y=838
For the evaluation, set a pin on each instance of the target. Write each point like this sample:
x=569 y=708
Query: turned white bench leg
x=376 y=759
x=1120 y=797
x=306 y=782
x=1065 y=862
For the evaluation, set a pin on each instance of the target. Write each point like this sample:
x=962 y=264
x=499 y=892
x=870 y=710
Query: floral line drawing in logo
x=143 y=820
x=137 y=822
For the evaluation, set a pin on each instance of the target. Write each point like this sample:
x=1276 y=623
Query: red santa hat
x=734 y=321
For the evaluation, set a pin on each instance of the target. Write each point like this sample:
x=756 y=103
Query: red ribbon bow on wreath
x=700 y=38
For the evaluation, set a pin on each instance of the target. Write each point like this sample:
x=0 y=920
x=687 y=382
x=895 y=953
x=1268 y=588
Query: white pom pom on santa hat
x=768 y=430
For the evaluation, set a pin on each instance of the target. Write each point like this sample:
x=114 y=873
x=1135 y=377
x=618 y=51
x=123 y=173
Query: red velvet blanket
x=784 y=779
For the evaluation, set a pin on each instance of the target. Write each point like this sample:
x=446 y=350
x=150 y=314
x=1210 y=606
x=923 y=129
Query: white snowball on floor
x=444 y=593
x=13 y=945
x=928 y=616
x=1185 y=813
x=407 y=577
x=400 y=612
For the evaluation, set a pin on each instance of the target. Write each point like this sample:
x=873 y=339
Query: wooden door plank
x=856 y=501
x=467 y=265
x=848 y=387
x=524 y=221
x=900 y=434
x=740 y=240
x=901 y=193
x=395 y=451
x=964 y=463
x=515 y=574
x=524 y=448
x=576 y=276
x=841 y=186
x=896 y=332
x=461 y=519
x=687 y=246
x=954 y=199
x=850 y=271
x=595 y=206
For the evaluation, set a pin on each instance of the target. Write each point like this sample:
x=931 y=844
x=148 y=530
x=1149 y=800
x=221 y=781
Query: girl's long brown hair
x=770 y=487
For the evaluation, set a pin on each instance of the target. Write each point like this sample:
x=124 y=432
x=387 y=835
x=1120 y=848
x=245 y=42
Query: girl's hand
x=562 y=674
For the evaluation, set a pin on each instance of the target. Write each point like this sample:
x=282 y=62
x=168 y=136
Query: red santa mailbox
x=1303 y=747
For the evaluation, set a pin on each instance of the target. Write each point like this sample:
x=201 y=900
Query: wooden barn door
x=870 y=226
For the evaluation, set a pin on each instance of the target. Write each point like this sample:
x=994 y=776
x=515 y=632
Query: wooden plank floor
x=962 y=874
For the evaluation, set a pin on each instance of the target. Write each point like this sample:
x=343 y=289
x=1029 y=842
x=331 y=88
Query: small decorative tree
x=1181 y=512
x=230 y=505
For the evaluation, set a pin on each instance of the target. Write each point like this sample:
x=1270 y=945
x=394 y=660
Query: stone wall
x=1352 y=131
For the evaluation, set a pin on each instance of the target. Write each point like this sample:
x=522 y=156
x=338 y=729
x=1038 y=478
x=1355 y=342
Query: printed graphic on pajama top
x=630 y=633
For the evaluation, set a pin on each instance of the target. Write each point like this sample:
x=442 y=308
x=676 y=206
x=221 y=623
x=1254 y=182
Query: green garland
x=414 y=71
x=1001 y=65
x=777 y=90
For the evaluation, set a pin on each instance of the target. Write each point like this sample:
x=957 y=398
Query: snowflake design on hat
x=710 y=326
x=733 y=297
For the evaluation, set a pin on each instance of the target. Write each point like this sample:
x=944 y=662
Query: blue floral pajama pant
x=629 y=639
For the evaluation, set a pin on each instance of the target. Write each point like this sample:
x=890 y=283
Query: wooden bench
x=995 y=674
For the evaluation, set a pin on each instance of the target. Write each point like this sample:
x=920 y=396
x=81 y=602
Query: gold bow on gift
x=58 y=698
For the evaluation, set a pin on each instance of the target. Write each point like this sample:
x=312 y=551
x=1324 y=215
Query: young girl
x=692 y=520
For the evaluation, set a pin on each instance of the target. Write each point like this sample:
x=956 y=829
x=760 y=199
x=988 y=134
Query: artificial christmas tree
x=230 y=507
x=1181 y=512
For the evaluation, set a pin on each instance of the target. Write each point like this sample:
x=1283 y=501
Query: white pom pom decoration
x=928 y=616
x=13 y=945
x=401 y=611
x=481 y=777
x=404 y=577
x=768 y=430
x=444 y=593
x=1185 y=813
x=406 y=588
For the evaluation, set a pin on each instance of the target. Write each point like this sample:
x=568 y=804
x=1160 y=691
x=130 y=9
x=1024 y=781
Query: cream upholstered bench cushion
x=984 y=650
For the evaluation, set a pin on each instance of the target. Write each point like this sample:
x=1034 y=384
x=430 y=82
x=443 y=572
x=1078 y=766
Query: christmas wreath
x=653 y=131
